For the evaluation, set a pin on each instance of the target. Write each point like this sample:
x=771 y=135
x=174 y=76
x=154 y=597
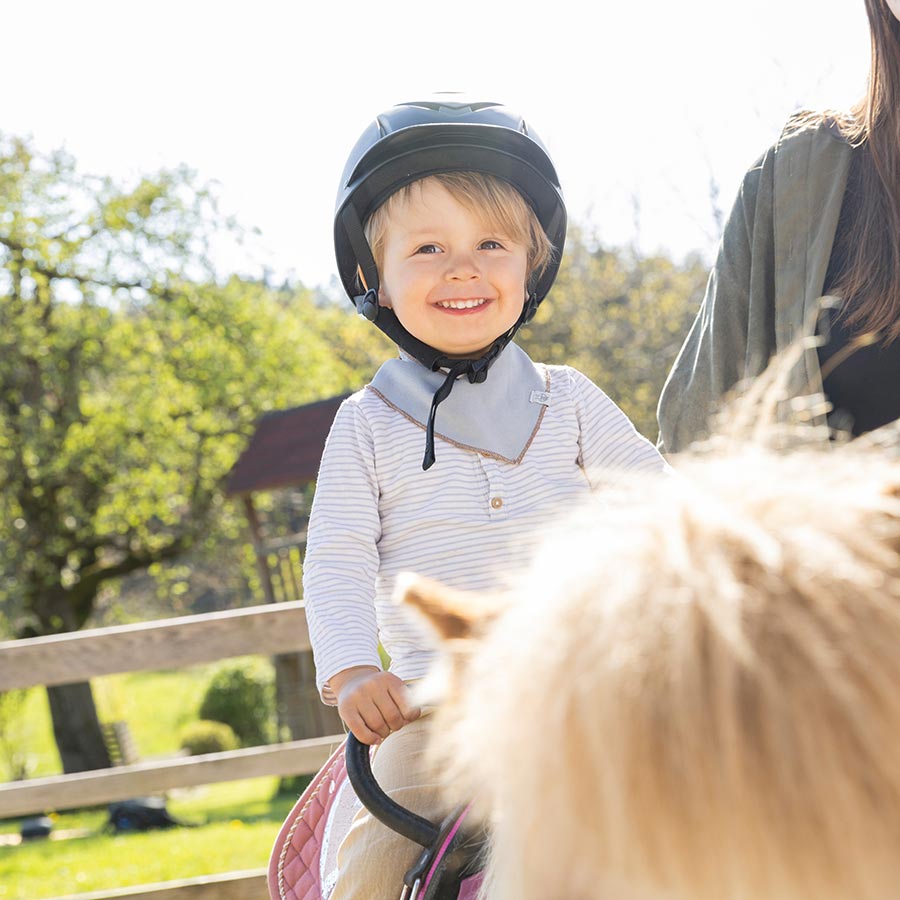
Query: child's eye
x=491 y=245
x=428 y=248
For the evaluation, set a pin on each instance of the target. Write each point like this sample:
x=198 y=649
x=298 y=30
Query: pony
x=693 y=692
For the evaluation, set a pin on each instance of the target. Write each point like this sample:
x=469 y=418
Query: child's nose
x=462 y=265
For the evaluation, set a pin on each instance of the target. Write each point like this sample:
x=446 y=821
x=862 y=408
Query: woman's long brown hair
x=870 y=279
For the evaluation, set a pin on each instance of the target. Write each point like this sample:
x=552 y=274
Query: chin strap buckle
x=478 y=370
x=367 y=304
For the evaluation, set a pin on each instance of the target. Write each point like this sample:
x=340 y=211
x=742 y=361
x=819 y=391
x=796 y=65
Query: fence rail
x=20 y=798
x=171 y=643
x=164 y=644
x=232 y=886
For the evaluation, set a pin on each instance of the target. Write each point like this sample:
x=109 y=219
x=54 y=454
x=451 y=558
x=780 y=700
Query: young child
x=448 y=232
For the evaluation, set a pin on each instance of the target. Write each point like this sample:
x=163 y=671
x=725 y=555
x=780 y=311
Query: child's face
x=453 y=281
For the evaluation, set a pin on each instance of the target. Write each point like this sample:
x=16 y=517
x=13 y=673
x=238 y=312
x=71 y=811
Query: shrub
x=242 y=694
x=207 y=736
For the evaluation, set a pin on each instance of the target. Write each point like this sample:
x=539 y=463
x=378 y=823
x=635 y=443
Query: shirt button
x=496 y=502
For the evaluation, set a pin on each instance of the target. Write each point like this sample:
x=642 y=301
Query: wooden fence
x=171 y=643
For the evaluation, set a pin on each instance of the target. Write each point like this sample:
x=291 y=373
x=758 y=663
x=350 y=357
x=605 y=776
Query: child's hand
x=372 y=703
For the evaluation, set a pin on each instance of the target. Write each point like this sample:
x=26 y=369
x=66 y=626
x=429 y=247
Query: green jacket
x=765 y=287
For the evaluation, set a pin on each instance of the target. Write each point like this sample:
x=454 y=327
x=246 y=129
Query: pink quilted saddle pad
x=303 y=861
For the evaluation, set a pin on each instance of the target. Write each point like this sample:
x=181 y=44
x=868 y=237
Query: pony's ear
x=453 y=614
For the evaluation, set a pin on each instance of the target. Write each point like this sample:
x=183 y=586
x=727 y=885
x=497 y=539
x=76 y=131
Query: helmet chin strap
x=475 y=369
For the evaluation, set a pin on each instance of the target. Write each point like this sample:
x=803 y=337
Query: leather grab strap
x=387 y=811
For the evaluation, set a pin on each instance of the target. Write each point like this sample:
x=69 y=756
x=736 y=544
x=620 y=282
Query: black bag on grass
x=140 y=814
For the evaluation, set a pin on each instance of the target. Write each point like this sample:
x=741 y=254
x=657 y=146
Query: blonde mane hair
x=694 y=692
x=496 y=201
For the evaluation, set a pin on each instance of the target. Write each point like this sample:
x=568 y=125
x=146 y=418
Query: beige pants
x=372 y=859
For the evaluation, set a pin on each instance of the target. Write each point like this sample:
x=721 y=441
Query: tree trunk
x=76 y=728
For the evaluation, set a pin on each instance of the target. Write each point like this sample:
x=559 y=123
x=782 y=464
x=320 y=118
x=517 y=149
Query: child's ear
x=454 y=615
x=383 y=299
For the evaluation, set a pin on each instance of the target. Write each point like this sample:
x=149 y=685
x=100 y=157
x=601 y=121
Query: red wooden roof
x=285 y=449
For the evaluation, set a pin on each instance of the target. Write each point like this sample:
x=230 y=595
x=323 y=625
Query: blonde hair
x=495 y=200
x=694 y=693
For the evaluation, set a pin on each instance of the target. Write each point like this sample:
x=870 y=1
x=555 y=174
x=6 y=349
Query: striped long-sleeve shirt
x=466 y=521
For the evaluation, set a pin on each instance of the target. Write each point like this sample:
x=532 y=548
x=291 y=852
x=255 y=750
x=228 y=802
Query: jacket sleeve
x=341 y=562
x=733 y=335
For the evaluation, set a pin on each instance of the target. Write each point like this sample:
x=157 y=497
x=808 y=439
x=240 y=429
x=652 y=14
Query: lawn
x=234 y=824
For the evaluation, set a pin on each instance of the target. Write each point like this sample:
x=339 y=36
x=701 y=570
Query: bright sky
x=640 y=102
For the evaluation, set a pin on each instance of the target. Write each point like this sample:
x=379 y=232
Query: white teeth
x=461 y=304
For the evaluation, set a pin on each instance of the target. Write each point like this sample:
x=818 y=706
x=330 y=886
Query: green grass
x=235 y=823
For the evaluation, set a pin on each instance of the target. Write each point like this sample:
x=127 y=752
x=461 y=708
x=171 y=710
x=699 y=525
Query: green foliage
x=618 y=317
x=14 y=756
x=207 y=736
x=28 y=737
x=130 y=378
x=241 y=694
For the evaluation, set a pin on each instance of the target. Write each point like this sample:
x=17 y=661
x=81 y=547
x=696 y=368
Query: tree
x=618 y=317
x=128 y=380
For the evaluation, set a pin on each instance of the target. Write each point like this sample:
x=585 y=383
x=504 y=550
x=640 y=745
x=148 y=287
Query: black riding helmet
x=411 y=141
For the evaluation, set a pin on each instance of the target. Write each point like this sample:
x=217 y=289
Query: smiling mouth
x=461 y=304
